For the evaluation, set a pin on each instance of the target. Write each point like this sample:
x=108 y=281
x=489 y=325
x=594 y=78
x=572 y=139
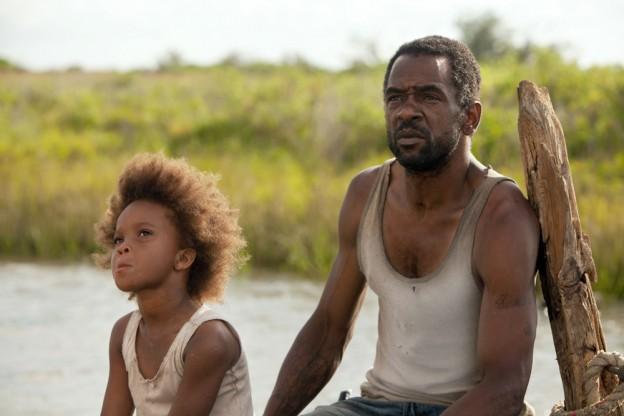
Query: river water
x=55 y=323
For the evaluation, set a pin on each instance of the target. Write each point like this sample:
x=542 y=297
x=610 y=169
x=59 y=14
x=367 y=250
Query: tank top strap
x=203 y=314
x=128 y=350
x=374 y=204
x=472 y=212
x=377 y=195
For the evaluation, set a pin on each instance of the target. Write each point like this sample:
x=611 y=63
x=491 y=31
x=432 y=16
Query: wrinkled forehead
x=410 y=71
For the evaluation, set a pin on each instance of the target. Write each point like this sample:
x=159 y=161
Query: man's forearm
x=309 y=365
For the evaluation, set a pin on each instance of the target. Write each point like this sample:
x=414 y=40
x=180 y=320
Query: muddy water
x=55 y=322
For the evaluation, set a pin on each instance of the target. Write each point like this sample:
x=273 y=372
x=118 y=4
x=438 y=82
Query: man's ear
x=184 y=259
x=472 y=118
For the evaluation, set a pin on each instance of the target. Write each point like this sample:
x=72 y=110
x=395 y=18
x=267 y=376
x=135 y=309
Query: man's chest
x=416 y=247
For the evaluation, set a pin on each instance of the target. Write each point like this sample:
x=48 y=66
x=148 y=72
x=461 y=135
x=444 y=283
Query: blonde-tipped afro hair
x=201 y=213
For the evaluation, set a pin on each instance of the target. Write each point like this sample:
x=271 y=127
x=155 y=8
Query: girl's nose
x=123 y=248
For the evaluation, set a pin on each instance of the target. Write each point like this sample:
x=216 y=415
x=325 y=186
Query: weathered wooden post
x=566 y=265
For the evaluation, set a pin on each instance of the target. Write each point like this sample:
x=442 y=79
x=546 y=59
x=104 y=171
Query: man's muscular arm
x=317 y=350
x=505 y=253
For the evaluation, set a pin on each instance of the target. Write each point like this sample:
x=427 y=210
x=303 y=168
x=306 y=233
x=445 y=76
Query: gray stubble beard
x=433 y=156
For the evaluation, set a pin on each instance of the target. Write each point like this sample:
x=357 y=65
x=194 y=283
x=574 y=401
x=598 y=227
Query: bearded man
x=448 y=245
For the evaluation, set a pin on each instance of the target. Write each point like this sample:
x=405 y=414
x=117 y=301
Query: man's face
x=423 y=119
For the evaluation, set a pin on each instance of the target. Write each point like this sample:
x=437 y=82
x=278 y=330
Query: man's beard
x=433 y=154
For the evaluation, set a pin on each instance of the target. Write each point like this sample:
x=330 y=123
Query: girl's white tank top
x=155 y=396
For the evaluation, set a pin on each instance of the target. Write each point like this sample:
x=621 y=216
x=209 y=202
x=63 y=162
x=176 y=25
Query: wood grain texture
x=566 y=266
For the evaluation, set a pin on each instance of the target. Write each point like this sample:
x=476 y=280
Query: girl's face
x=146 y=242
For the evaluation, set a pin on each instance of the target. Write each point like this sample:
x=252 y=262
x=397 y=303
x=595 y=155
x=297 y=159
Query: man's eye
x=393 y=98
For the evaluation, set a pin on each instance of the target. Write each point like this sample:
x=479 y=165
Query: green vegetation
x=8 y=66
x=286 y=140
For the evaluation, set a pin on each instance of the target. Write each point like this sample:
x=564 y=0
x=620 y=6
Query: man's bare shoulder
x=354 y=203
x=507 y=203
x=363 y=182
x=507 y=235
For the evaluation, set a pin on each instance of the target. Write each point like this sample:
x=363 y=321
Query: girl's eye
x=117 y=240
x=144 y=233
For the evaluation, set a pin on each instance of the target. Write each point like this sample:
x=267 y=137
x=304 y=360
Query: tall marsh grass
x=285 y=139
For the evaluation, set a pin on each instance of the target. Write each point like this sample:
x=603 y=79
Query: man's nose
x=410 y=110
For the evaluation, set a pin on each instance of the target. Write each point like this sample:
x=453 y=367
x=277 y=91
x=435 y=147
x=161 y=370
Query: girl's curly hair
x=201 y=213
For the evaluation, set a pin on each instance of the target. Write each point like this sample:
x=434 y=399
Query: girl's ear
x=184 y=259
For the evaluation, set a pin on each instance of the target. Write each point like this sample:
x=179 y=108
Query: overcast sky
x=123 y=34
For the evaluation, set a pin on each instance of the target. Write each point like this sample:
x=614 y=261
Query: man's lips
x=409 y=139
x=410 y=133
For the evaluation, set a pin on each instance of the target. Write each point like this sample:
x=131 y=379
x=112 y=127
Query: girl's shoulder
x=119 y=329
x=214 y=341
x=214 y=335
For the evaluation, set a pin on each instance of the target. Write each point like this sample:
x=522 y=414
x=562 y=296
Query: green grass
x=286 y=141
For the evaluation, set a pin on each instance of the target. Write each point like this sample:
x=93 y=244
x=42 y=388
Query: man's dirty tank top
x=155 y=396
x=427 y=341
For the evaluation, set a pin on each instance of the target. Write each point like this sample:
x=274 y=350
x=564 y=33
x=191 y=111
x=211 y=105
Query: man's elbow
x=514 y=401
x=508 y=395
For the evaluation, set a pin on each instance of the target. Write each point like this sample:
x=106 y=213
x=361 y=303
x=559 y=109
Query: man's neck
x=444 y=187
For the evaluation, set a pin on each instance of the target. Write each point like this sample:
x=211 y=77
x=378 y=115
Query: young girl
x=172 y=241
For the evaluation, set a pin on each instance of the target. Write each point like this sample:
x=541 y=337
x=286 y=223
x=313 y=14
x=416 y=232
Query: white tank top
x=155 y=396
x=427 y=341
